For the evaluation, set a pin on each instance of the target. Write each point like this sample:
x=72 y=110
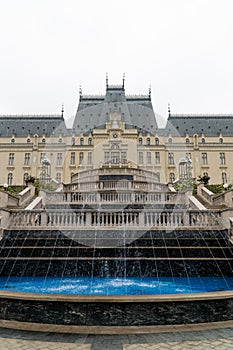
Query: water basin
x=116 y=286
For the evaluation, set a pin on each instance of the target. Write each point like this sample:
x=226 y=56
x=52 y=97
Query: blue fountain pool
x=115 y=286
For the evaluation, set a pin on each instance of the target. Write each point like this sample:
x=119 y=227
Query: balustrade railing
x=115 y=197
x=150 y=219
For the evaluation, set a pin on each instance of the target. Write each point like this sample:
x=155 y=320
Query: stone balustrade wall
x=120 y=197
x=146 y=218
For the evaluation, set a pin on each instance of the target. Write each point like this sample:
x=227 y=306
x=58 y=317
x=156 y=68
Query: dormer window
x=140 y=141
x=43 y=140
x=60 y=140
x=73 y=141
x=28 y=140
x=115 y=146
x=157 y=141
x=202 y=140
x=169 y=140
x=187 y=140
x=221 y=140
x=81 y=141
x=148 y=141
x=90 y=141
x=12 y=140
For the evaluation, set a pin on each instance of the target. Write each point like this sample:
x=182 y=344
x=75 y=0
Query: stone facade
x=110 y=129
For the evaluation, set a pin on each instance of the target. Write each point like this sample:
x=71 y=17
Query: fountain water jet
x=156 y=238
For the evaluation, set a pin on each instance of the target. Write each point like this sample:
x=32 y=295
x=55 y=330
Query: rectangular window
x=222 y=158
x=81 y=158
x=27 y=159
x=170 y=158
x=157 y=157
x=59 y=158
x=123 y=157
x=224 y=178
x=140 y=157
x=115 y=157
x=72 y=158
x=148 y=157
x=58 y=177
x=106 y=157
x=11 y=158
x=204 y=158
x=89 y=158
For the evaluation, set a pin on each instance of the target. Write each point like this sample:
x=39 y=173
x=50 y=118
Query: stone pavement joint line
x=211 y=339
x=19 y=344
x=219 y=344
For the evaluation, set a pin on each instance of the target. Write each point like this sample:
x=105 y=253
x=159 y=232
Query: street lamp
x=5 y=186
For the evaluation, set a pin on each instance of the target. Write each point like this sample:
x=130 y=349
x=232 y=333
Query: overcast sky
x=182 y=48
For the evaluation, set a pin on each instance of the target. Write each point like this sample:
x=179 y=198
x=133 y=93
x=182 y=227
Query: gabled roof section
x=207 y=124
x=94 y=111
x=24 y=125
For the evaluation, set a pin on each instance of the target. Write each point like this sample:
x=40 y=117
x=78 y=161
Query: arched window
x=187 y=140
x=28 y=140
x=58 y=177
x=202 y=140
x=171 y=177
x=25 y=177
x=81 y=141
x=169 y=140
x=140 y=141
x=12 y=140
x=224 y=178
x=157 y=141
x=148 y=141
x=221 y=140
x=43 y=140
x=73 y=141
x=10 y=179
x=90 y=141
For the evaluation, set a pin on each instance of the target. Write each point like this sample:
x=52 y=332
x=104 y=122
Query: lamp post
x=45 y=162
x=5 y=186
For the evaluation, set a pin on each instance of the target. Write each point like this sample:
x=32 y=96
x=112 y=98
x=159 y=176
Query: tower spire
x=80 y=92
x=149 y=91
x=106 y=80
x=123 y=85
x=169 y=110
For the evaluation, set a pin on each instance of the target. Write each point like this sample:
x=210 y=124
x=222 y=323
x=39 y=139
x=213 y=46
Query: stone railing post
x=44 y=218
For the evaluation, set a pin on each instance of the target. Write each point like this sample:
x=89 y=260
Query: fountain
x=115 y=248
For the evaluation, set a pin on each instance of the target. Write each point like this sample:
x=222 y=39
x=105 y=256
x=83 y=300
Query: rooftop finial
x=149 y=91
x=123 y=85
x=80 y=92
x=62 y=110
x=106 y=80
x=169 y=110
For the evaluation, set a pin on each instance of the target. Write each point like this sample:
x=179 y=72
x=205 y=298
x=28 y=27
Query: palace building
x=115 y=130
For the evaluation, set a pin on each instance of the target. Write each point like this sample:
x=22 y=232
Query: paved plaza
x=217 y=339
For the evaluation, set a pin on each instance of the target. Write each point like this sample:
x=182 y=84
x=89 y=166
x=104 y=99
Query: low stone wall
x=116 y=311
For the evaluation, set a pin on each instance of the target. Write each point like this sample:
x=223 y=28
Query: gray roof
x=93 y=111
x=207 y=124
x=24 y=125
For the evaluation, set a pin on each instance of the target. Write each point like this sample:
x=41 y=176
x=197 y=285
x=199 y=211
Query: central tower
x=94 y=110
